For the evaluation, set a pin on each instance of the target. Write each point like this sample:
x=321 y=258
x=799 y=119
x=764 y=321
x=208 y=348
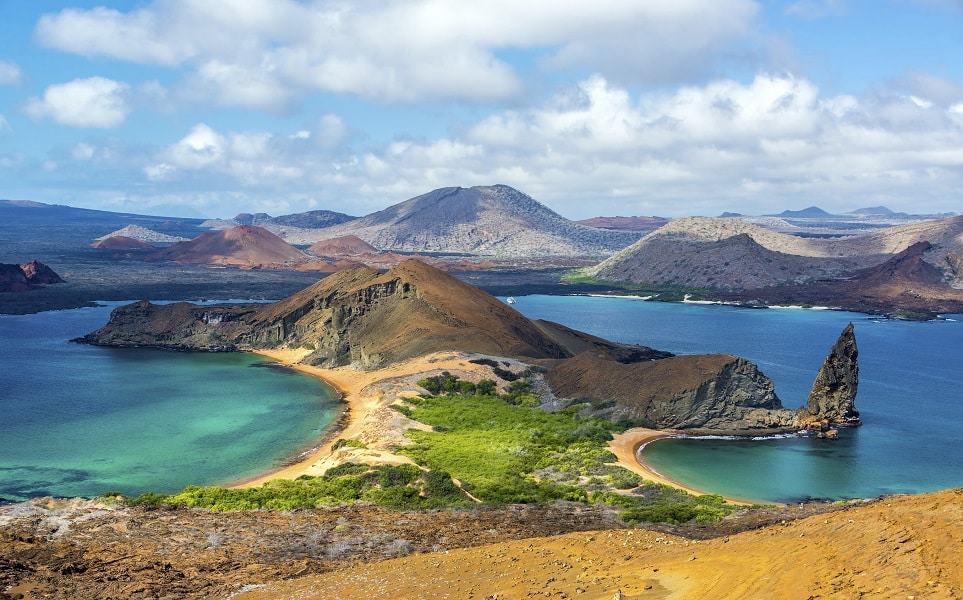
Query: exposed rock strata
x=369 y=319
x=715 y=392
x=695 y=392
x=831 y=400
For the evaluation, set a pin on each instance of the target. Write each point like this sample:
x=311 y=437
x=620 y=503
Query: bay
x=910 y=396
x=78 y=420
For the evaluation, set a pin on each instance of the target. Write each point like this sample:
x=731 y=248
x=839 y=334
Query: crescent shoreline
x=363 y=405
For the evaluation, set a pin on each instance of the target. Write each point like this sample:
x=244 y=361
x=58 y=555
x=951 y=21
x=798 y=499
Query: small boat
x=511 y=300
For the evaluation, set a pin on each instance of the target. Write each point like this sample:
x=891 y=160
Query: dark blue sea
x=79 y=420
x=910 y=396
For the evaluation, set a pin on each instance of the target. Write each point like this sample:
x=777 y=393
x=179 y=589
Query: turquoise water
x=81 y=420
x=910 y=396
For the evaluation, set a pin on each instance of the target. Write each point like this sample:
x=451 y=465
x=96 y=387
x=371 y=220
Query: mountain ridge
x=497 y=221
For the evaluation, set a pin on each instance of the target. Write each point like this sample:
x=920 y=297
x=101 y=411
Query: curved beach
x=368 y=418
x=626 y=447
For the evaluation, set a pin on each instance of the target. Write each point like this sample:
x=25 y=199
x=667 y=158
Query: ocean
x=910 y=396
x=78 y=420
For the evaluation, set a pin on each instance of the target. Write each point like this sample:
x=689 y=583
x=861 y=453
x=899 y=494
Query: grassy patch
x=507 y=453
x=392 y=486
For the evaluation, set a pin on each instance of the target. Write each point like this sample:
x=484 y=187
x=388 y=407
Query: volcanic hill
x=494 y=221
x=731 y=256
x=371 y=320
x=243 y=246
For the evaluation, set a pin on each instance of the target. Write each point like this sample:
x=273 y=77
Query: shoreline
x=366 y=417
x=626 y=447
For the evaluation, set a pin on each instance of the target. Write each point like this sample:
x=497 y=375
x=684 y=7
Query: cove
x=83 y=420
x=910 y=396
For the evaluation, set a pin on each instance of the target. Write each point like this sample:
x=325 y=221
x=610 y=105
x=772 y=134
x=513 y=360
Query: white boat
x=510 y=300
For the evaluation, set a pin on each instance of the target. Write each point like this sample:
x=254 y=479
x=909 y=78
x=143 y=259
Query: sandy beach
x=368 y=418
x=626 y=447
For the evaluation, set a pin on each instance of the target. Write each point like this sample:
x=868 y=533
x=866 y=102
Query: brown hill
x=121 y=242
x=25 y=277
x=371 y=319
x=905 y=282
x=243 y=246
x=732 y=256
x=342 y=247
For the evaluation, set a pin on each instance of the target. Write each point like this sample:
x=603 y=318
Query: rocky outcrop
x=713 y=392
x=708 y=393
x=831 y=400
x=176 y=326
x=12 y=278
x=21 y=278
x=370 y=319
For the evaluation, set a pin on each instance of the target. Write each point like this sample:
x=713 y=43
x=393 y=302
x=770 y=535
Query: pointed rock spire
x=831 y=400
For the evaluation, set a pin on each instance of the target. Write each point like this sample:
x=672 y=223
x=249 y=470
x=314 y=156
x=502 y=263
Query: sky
x=594 y=108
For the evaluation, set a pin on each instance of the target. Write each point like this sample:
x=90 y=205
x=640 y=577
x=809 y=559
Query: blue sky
x=609 y=107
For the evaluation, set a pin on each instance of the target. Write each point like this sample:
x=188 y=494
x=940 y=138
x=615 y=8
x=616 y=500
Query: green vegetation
x=349 y=443
x=399 y=487
x=503 y=449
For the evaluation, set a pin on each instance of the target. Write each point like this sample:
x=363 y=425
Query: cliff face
x=831 y=400
x=716 y=392
x=177 y=326
x=369 y=319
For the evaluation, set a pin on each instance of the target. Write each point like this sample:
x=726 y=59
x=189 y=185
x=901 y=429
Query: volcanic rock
x=717 y=392
x=22 y=278
x=341 y=247
x=243 y=246
x=12 y=278
x=834 y=390
x=38 y=273
x=121 y=242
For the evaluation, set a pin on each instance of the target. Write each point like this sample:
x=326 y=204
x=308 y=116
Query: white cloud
x=265 y=53
x=91 y=102
x=9 y=73
x=202 y=147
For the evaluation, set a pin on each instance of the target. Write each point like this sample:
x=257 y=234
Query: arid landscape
x=389 y=317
